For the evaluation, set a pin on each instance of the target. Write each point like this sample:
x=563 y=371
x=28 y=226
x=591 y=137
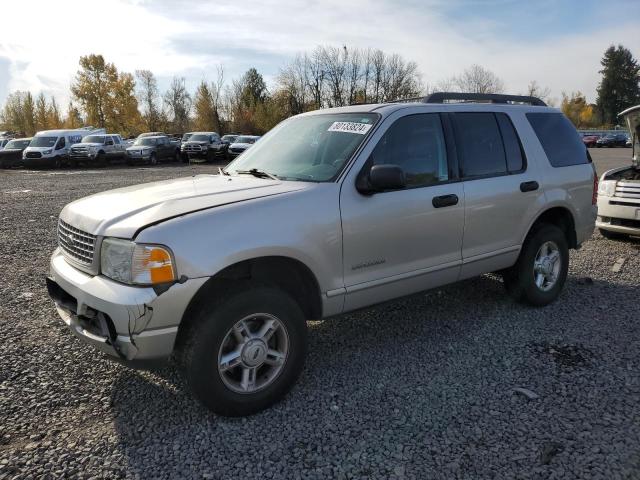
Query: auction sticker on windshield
x=350 y=127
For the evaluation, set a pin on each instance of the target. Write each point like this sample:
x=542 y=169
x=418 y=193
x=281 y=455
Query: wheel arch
x=561 y=217
x=289 y=274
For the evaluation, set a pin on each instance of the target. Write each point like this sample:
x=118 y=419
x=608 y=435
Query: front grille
x=75 y=243
x=192 y=148
x=33 y=155
x=628 y=189
x=236 y=150
x=79 y=150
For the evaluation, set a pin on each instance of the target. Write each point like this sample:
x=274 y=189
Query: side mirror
x=380 y=178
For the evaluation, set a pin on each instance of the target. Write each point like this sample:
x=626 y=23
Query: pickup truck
x=152 y=149
x=97 y=150
x=202 y=147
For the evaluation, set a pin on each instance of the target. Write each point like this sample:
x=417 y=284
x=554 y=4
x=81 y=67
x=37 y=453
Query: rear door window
x=480 y=143
x=559 y=139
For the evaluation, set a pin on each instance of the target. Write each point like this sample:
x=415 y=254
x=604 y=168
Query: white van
x=51 y=147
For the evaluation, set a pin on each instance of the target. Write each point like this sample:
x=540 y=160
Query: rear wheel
x=539 y=275
x=612 y=235
x=247 y=351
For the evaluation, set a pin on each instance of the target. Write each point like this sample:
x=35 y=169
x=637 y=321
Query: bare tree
x=149 y=98
x=178 y=101
x=535 y=90
x=477 y=79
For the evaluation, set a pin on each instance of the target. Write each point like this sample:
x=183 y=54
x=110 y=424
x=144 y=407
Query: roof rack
x=445 y=97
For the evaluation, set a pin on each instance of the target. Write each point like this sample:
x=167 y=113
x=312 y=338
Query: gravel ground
x=423 y=387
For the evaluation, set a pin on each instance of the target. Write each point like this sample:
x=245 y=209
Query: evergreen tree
x=619 y=87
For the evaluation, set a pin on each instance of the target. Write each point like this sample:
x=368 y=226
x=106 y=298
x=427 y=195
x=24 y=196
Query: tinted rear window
x=515 y=157
x=559 y=138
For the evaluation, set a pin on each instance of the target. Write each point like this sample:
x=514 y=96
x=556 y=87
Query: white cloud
x=191 y=38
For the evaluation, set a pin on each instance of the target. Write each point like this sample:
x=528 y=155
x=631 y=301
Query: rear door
x=502 y=192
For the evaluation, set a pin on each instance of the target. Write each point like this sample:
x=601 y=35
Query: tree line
x=328 y=76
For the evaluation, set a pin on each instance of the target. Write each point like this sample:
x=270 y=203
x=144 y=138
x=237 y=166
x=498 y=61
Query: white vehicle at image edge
x=331 y=211
x=619 y=189
x=50 y=148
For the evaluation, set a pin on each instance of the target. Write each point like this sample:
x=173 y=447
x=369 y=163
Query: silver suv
x=331 y=211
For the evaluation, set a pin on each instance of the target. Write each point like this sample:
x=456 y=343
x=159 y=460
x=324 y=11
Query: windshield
x=145 y=141
x=199 y=138
x=229 y=138
x=313 y=147
x=93 y=139
x=17 y=144
x=43 y=141
x=186 y=137
x=245 y=140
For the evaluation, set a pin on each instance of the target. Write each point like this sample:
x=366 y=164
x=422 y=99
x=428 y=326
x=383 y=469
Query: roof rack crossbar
x=443 y=97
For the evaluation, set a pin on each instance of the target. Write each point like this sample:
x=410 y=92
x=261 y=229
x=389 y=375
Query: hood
x=632 y=118
x=240 y=145
x=196 y=143
x=139 y=147
x=82 y=144
x=124 y=211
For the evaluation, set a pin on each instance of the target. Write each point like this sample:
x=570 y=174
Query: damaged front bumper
x=126 y=322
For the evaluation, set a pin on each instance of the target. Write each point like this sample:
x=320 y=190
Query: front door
x=403 y=241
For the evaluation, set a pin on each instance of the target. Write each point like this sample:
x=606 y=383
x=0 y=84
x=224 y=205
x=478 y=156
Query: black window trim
x=506 y=173
x=525 y=163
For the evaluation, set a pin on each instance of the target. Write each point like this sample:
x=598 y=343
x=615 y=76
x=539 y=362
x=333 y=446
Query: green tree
x=93 y=88
x=619 y=87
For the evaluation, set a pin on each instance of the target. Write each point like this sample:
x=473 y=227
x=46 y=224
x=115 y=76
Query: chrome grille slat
x=76 y=244
x=627 y=190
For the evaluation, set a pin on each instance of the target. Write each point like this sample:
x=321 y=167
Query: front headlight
x=47 y=152
x=607 y=188
x=136 y=264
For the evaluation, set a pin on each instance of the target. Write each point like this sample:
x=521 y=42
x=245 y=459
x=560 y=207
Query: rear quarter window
x=559 y=139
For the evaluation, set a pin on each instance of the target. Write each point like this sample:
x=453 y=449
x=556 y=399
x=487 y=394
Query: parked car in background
x=3 y=142
x=151 y=150
x=152 y=134
x=202 y=147
x=50 y=148
x=612 y=140
x=97 y=150
x=590 y=140
x=11 y=155
x=227 y=140
x=241 y=143
x=330 y=212
x=619 y=189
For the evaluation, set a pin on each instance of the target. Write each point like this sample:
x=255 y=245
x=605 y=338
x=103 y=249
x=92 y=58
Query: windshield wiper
x=221 y=171
x=257 y=173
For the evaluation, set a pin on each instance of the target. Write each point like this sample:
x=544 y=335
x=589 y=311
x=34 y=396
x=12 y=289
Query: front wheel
x=247 y=351
x=153 y=160
x=539 y=275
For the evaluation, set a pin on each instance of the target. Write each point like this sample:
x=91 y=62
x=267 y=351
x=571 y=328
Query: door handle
x=445 y=200
x=529 y=186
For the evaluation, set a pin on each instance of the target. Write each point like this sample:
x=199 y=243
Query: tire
x=520 y=280
x=153 y=160
x=176 y=158
x=57 y=162
x=612 y=235
x=214 y=336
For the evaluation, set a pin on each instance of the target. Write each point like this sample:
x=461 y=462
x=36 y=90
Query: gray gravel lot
x=418 y=388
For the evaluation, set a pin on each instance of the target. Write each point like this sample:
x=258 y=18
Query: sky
x=558 y=43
